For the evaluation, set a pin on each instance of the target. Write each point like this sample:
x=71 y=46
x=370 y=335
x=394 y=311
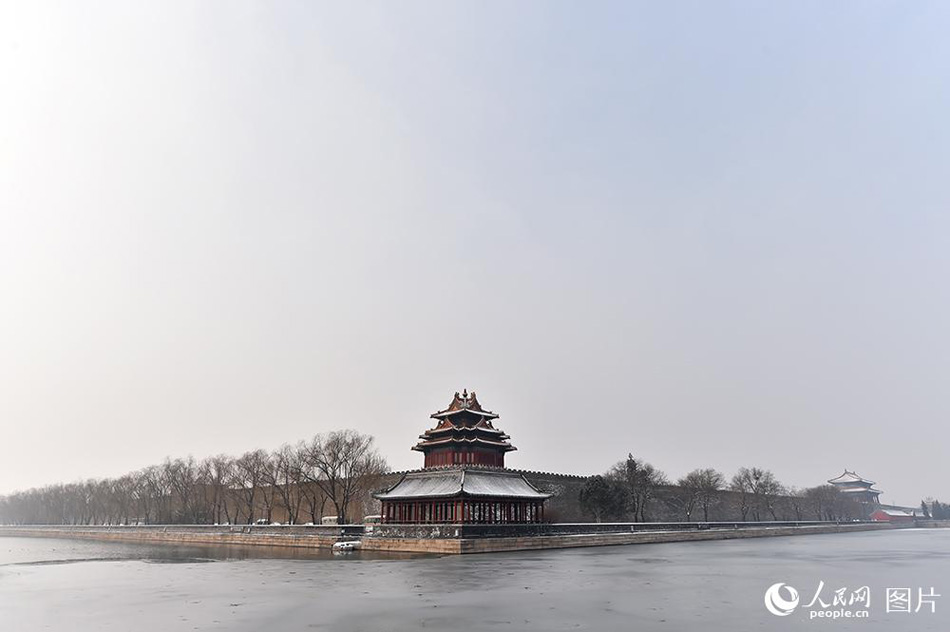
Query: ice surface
x=673 y=587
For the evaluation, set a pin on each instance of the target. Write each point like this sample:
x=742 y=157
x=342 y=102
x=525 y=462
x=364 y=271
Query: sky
x=710 y=234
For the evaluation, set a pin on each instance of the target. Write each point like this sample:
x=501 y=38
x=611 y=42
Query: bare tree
x=701 y=489
x=285 y=478
x=343 y=464
x=219 y=472
x=742 y=486
x=339 y=467
x=758 y=491
x=182 y=480
x=247 y=478
x=639 y=481
x=314 y=498
x=797 y=501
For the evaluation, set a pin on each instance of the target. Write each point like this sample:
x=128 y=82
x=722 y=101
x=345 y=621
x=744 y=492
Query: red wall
x=454 y=456
x=880 y=516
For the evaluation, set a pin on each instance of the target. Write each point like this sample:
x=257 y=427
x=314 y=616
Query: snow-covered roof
x=859 y=490
x=482 y=426
x=849 y=477
x=499 y=484
x=466 y=402
x=469 y=482
x=440 y=483
x=896 y=513
x=432 y=442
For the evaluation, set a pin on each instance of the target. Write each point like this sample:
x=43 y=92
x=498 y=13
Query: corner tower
x=464 y=435
x=464 y=480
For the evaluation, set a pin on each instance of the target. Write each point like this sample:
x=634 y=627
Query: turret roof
x=466 y=402
x=849 y=477
x=450 y=482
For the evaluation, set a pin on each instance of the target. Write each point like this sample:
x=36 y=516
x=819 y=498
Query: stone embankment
x=238 y=535
x=446 y=539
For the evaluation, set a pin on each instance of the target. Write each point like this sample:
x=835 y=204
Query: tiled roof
x=466 y=402
x=507 y=447
x=849 y=477
x=449 y=482
x=859 y=490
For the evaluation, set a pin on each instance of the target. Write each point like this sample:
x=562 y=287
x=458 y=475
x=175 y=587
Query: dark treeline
x=633 y=490
x=935 y=509
x=295 y=483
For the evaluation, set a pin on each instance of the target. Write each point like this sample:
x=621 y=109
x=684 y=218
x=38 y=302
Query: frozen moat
x=48 y=584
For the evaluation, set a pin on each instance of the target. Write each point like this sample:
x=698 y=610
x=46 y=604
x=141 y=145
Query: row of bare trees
x=295 y=482
x=637 y=491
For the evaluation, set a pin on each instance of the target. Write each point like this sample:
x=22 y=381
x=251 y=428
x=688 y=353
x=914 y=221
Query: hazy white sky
x=708 y=233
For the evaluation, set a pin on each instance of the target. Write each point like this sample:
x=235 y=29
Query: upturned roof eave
x=442 y=414
x=507 y=447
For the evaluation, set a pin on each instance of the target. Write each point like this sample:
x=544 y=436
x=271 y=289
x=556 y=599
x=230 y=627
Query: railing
x=586 y=528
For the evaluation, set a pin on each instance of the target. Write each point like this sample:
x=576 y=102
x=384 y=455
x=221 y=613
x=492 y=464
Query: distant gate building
x=857 y=488
x=464 y=479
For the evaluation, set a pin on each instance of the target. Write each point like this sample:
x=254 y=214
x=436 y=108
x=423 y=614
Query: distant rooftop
x=849 y=478
x=897 y=513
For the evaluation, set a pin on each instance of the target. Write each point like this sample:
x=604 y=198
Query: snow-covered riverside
x=86 y=585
